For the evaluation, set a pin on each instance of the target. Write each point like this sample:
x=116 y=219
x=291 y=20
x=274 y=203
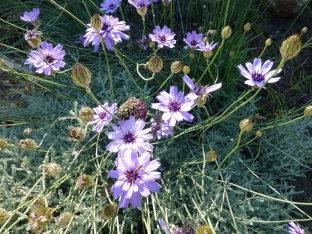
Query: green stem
x=162 y=85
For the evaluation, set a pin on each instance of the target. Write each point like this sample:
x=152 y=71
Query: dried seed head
x=188 y=228
x=247 y=27
x=85 y=181
x=52 y=169
x=28 y=131
x=211 y=156
x=39 y=221
x=226 y=32
x=4 y=215
x=205 y=229
x=142 y=11
x=245 y=125
x=186 y=69
x=39 y=205
x=96 y=22
x=86 y=114
x=64 y=219
x=268 y=42
x=155 y=64
x=133 y=107
x=28 y=144
x=3 y=144
x=201 y=100
x=308 y=111
x=81 y=75
x=176 y=67
x=76 y=134
x=259 y=133
x=291 y=47
x=109 y=211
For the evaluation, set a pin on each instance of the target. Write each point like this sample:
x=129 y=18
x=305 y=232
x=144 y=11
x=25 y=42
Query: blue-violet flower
x=164 y=37
x=194 y=40
x=109 y=6
x=31 y=16
x=294 y=228
x=140 y=4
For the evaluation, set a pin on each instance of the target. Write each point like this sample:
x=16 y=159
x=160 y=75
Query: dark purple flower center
x=174 y=106
x=198 y=90
x=193 y=43
x=49 y=58
x=129 y=137
x=258 y=77
x=162 y=38
x=111 y=6
x=133 y=175
x=105 y=27
x=102 y=115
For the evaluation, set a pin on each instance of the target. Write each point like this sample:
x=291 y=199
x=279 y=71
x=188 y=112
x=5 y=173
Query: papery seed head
x=28 y=131
x=204 y=229
x=308 y=111
x=259 y=133
x=28 y=144
x=85 y=181
x=109 y=211
x=226 y=32
x=4 y=215
x=64 y=219
x=304 y=30
x=186 y=69
x=268 y=42
x=155 y=64
x=176 y=67
x=207 y=54
x=245 y=125
x=76 y=134
x=247 y=27
x=211 y=156
x=291 y=47
x=142 y=11
x=81 y=75
x=86 y=114
x=3 y=144
x=52 y=169
x=96 y=22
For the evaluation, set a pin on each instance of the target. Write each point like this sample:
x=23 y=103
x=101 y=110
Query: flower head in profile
x=160 y=128
x=130 y=136
x=164 y=37
x=199 y=90
x=140 y=4
x=175 y=106
x=109 y=6
x=294 y=228
x=207 y=47
x=111 y=32
x=31 y=16
x=173 y=229
x=136 y=178
x=103 y=116
x=48 y=59
x=257 y=74
x=194 y=40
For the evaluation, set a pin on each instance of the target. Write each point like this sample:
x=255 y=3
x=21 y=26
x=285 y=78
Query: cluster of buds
x=86 y=114
x=81 y=75
x=76 y=134
x=133 y=107
x=154 y=64
x=40 y=216
x=3 y=144
x=52 y=169
x=109 y=211
x=28 y=144
x=64 y=219
x=85 y=181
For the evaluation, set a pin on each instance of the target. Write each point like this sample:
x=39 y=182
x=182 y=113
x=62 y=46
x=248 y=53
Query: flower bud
x=191 y=55
x=142 y=11
x=52 y=169
x=165 y=3
x=211 y=156
x=33 y=38
x=245 y=125
x=86 y=114
x=81 y=75
x=109 y=211
x=76 y=134
x=247 y=27
x=85 y=181
x=3 y=144
x=28 y=131
x=4 y=215
x=259 y=133
x=155 y=64
x=133 y=107
x=207 y=54
x=151 y=44
x=268 y=42
x=226 y=32
x=96 y=22
x=28 y=144
x=304 y=30
x=186 y=69
x=64 y=219
x=231 y=53
x=308 y=111
x=291 y=47
x=176 y=67
x=205 y=39
x=205 y=229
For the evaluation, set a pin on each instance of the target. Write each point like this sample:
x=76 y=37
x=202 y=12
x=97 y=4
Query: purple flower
x=199 y=90
x=144 y=42
x=48 y=59
x=103 y=116
x=111 y=33
x=80 y=40
x=140 y=4
x=208 y=47
x=130 y=136
x=194 y=40
x=257 y=73
x=160 y=128
x=175 y=106
x=163 y=226
x=173 y=230
x=109 y=6
x=164 y=37
x=294 y=228
x=136 y=178
x=31 y=16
